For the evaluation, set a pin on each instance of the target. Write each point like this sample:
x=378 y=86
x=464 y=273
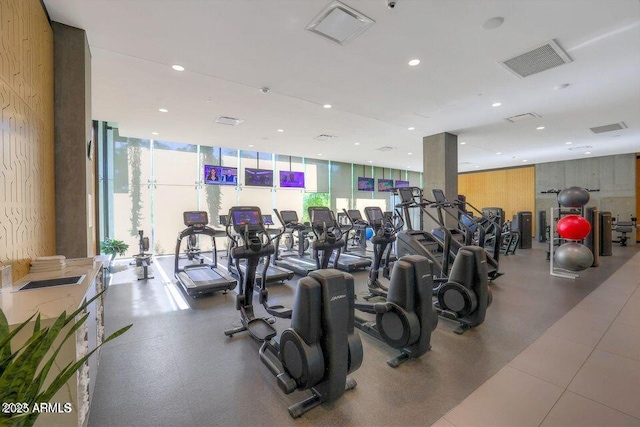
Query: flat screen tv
x=220 y=175
x=258 y=177
x=385 y=184
x=291 y=179
x=365 y=184
x=400 y=184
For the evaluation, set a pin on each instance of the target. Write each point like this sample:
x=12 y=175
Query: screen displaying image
x=291 y=179
x=246 y=217
x=385 y=185
x=400 y=184
x=365 y=184
x=258 y=177
x=220 y=175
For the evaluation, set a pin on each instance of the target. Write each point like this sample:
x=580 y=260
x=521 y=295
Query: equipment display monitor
x=385 y=185
x=439 y=195
x=195 y=218
x=289 y=216
x=365 y=184
x=291 y=179
x=374 y=214
x=223 y=219
x=220 y=175
x=258 y=177
x=321 y=217
x=406 y=194
x=400 y=183
x=246 y=217
x=354 y=214
x=267 y=220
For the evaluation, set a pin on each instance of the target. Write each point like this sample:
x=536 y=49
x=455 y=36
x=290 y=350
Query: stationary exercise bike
x=320 y=347
x=143 y=259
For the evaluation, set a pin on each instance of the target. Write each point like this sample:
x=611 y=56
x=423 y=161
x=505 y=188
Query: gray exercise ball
x=573 y=197
x=573 y=256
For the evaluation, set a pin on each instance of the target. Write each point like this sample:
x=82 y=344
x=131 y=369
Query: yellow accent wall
x=510 y=189
x=27 y=191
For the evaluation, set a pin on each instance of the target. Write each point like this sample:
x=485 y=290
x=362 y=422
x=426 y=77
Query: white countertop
x=18 y=306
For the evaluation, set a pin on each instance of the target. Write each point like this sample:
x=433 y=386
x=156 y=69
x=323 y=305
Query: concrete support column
x=440 y=165
x=74 y=170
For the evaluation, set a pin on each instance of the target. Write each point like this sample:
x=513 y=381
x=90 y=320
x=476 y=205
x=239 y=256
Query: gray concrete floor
x=175 y=366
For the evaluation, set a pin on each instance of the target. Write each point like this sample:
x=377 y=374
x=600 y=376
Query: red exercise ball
x=573 y=227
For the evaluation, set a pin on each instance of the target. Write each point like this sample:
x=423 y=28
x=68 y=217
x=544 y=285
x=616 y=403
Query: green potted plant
x=23 y=371
x=113 y=247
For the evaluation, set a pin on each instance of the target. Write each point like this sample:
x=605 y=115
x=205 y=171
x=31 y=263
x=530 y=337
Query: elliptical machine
x=143 y=259
x=320 y=347
x=407 y=317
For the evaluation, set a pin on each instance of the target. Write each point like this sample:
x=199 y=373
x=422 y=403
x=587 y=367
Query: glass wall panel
x=291 y=198
x=341 y=185
x=257 y=187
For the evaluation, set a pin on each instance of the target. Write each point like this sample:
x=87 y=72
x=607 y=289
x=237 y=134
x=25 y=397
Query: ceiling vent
x=340 y=23
x=540 y=59
x=581 y=147
x=386 y=148
x=521 y=117
x=609 y=128
x=230 y=121
x=464 y=163
x=325 y=137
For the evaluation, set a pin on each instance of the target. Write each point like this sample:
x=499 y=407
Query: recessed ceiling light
x=155 y=133
x=411 y=128
x=477 y=166
x=410 y=153
x=499 y=152
x=562 y=86
x=524 y=161
x=356 y=143
x=370 y=161
x=568 y=143
x=463 y=143
x=493 y=23
x=587 y=152
x=319 y=154
x=327 y=105
x=280 y=130
x=178 y=67
x=408 y=167
x=540 y=128
x=414 y=62
x=208 y=99
x=250 y=145
x=163 y=110
x=496 y=104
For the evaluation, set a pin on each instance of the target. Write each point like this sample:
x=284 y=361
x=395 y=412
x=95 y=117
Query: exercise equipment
x=298 y=262
x=573 y=197
x=200 y=278
x=573 y=227
x=320 y=348
x=143 y=259
x=624 y=227
x=573 y=256
x=355 y=242
x=606 y=237
x=523 y=222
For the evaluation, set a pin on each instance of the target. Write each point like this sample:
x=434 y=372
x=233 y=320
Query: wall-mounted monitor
x=365 y=184
x=385 y=184
x=220 y=175
x=258 y=177
x=400 y=184
x=291 y=179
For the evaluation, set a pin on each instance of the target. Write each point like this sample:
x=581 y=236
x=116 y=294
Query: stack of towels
x=48 y=263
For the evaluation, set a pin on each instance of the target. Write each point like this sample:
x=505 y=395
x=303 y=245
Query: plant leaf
x=5 y=339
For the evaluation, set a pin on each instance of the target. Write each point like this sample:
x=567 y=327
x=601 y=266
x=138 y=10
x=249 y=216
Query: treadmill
x=200 y=279
x=300 y=264
x=359 y=227
x=275 y=274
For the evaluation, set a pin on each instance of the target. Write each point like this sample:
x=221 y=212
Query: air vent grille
x=581 y=147
x=609 y=128
x=524 y=116
x=325 y=137
x=230 y=121
x=542 y=58
x=340 y=23
x=386 y=148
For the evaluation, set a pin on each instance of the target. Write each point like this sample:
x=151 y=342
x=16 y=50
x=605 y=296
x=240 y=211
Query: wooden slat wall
x=510 y=189
x=27 y=204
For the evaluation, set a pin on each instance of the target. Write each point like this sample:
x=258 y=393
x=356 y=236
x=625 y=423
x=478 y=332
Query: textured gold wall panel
x=27 y=204
x=510 y=189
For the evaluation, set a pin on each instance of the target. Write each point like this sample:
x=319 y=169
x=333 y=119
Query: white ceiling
x=230 y=49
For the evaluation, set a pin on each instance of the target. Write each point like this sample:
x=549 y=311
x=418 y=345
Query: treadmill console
x=267 y=220
x=241 y=217
x=196 y=219
x=406 y=194
x=374 y=215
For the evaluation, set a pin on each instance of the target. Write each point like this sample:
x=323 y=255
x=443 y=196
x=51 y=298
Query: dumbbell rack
x=553 y=270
